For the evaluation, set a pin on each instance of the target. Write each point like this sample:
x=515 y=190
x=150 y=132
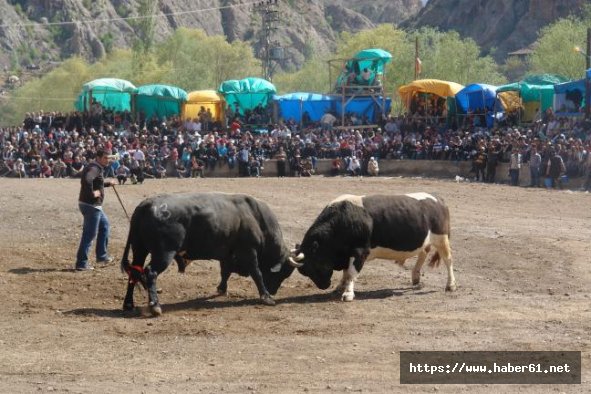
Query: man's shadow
x=28 y=270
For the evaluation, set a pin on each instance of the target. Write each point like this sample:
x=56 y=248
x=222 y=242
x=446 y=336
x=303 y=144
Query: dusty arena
x=521 y=258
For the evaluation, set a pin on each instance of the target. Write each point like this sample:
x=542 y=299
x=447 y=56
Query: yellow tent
x=204 y=98
x=433 y=86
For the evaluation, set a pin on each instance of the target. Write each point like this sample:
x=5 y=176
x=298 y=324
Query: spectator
x=515 y=166
x=123 y=173
x=197 y=166
x=281 y=158
x=554 y=169
x=254 y=167
x=535 y=163
x=354 y=166
x=373 y=167
x=479 y=163
x=19 y=168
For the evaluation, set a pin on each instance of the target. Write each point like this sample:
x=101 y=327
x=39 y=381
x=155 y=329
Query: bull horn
x=294 y=263
x=299 y=257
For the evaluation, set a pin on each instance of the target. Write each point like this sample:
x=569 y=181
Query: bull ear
x=276 y=268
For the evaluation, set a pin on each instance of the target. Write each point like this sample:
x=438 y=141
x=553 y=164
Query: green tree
x=312 y=77
x=196 y=61
x=56 y=91
x=555 y=51
x=144 y=30
x=446 y=56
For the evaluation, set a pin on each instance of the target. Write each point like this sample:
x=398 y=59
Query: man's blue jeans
x=96 y=225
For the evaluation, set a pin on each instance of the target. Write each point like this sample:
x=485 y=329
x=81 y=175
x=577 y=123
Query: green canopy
x=248 y=93
x=111 y=93
x=535 y=88
x=159 y=100
x=374 y=59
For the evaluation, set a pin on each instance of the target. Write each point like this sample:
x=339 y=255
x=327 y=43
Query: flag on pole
x=418 y=64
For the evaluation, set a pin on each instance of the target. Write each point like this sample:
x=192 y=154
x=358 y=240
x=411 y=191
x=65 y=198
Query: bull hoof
x=221 y=292
x=418 y=285
x=156 y=310
x=268 y=300
x=128 y=307
x=451 y=287
x=348 y=297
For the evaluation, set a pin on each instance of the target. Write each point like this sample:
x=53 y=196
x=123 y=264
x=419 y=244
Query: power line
x=90 y=21
x=73 y=99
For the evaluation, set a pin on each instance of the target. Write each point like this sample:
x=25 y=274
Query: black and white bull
x=354 y=229
x=238 y=230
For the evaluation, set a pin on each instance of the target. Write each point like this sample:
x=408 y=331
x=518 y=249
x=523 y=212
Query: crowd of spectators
x=59 y=145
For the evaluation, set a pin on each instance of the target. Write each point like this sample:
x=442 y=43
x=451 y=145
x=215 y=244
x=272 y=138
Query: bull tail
x=435 y=259
x=125 y=259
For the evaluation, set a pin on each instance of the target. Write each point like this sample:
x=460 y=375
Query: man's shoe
x=106 y=261
x=84 y=268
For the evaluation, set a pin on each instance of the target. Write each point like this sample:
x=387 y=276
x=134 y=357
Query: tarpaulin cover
x=159 y=100
x=543 y=94
x=476 y=96
x=111 y=93
x=293 y=105
x=364 y=105
x=206 y=99
x=433 y=86
x=248 y=92
x=538 y=88
x=569 y=98
x=374 y=59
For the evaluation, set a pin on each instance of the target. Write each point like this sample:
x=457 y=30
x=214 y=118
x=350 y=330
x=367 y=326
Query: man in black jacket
x=90 y=203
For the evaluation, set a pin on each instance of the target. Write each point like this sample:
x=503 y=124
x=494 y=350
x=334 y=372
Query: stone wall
x=407 y=168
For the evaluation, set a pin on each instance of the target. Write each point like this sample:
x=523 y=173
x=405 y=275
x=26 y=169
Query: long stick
x=121 y=202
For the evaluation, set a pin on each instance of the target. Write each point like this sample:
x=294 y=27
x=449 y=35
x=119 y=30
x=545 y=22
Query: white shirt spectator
x=139 y=155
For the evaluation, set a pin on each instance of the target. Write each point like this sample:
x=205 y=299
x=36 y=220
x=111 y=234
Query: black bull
x=238 y=230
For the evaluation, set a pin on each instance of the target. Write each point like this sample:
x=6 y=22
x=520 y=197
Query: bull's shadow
x=216 y=302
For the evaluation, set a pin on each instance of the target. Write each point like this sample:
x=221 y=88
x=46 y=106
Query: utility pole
x=417 y=60
x=271 y=49
x=587 y=81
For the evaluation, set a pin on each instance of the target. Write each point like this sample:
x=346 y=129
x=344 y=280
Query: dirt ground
x=521 y=262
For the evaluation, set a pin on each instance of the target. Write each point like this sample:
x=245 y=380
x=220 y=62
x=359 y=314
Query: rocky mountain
x=38 y=32
x=33 y=31
x=507 y=25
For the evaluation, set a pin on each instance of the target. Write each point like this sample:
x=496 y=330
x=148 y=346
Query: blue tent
x=365 y=105
x=293 y=105
x=476 y=96
x=569 y=98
